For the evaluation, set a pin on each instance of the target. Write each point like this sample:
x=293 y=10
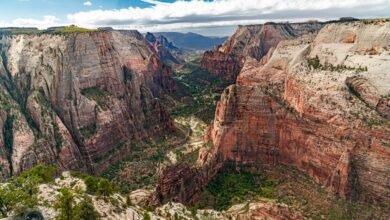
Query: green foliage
x=92 y=184
x=100 y=96
x=231 y=187
x=40 y=174
x=88 y=131
x=146 y=216
x=203 y=89
x=85 y=210
x=127 y=74
x=15 y=200
x=64 y=205
x=57 y=135
x=8 y=135
x=20 y=194
x=104 y=187
x=315 y=63
x=128 y=201
x=69 y=210
x=69 y=30
x=96 y=185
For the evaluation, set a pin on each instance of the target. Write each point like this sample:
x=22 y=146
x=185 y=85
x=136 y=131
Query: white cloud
x=45 y=22
x=87 y=3
x=232 y=12
x=165 y=16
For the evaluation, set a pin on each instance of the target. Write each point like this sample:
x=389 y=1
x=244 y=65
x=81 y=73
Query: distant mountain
x=165 y=49
x=192 y=40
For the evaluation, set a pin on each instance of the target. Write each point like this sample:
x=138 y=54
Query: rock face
x=296 y=107
x=78 y=100
x=284 y=111
x=166 y=51
x=251 y=41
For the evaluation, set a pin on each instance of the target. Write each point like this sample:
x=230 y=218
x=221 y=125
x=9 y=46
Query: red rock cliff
x=296 y=107
x=78 y=100
x=282 y=110
x=250 y=41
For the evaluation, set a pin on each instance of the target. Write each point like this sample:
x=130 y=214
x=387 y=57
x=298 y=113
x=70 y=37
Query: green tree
x=40 y=174
x=146 y=216
x=65 y=205
x=15 y=200
x=85 y=210
x=104 y=188
x=91 y=183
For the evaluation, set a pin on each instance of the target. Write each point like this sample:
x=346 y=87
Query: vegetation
x=141 y=165
x=8 y=135
x=19 y=194
x=100 y=96
x=146 y=216
x=64 y=205
x=69 y=210
x=85 y=210
x=96 y=185
x=127 y=74
x=199 y=90
x=232 y=187
x=315 y=63
x=88 y=131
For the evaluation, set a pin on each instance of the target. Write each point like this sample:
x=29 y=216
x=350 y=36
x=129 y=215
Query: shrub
x=64 y=205
x=85 y=210
x=146 y=216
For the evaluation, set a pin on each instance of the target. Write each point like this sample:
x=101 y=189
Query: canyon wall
x=287 y=110
x=319 y=103
x=78 y=100
x=252 y=41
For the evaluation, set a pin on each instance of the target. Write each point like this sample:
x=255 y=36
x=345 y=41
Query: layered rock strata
x=252 y=41
x=315 y=103
x=78 y=100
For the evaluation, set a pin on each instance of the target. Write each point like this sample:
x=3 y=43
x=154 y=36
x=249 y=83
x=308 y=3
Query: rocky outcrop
x=362 y=88
x=78 y=100
x=166 y=51
x=294 y=107
x=251 y=41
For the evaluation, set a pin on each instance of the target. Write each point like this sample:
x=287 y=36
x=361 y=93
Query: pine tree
x=65 y=205
x=85 y=210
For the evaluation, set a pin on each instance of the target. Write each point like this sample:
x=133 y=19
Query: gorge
x=281 y=111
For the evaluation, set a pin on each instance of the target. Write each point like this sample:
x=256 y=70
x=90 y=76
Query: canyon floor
x=193 y=107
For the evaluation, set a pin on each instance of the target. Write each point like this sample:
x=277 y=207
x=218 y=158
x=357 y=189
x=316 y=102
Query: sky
x=208 y=17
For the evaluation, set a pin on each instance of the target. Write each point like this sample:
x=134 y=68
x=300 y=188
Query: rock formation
x=251 y=41
x=78 y=100
x=166 y=51
x=318 y=102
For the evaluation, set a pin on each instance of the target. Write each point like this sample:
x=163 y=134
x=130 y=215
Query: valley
x=281 y=121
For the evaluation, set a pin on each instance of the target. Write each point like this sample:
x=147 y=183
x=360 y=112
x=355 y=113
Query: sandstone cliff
x=288 y=110
x=78 y=100
x=166 y=51
x=316 y=102
x=251 y=41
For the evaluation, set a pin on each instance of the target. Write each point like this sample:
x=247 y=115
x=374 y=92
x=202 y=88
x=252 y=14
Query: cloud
x=87 y=3
x=199 y=13
x=46 y=21
x=196 y=14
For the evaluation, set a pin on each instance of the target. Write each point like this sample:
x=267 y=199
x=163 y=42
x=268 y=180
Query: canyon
x=300 y=106
x=318 y=101
x=252 y=41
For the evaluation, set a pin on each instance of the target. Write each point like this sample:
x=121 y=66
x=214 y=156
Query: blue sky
x=13 y=9
x=209 y=17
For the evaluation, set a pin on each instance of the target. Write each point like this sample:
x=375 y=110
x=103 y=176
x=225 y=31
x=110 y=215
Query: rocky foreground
x=318 y=101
